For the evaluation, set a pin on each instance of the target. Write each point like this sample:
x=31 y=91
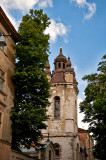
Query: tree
x=31 y=84
x=94 y=108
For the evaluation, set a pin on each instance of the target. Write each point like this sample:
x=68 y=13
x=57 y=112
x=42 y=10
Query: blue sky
x=78 y=26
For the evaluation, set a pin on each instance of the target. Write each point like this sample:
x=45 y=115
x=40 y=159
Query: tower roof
x=47 y=65
x=60 y=57
x=58 y=77
x=60 y=66
x=68 y=62
x=47 y=68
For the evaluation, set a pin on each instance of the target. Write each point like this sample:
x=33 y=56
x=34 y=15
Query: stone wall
x=64 y=131
x=68 y=111
x=5 y=149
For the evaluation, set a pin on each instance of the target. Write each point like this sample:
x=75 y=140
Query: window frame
x=56 y=99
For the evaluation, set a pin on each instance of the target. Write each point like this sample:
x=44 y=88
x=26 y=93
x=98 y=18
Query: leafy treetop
x=31 y=84
x=94 y=108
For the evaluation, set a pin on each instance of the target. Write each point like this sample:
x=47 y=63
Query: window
x=57 y=150
x=2 y=48
x=57 y=107
x=59 y=65
x=49 y=154
x=63 y=65
x=2 y=41
x=1 y=79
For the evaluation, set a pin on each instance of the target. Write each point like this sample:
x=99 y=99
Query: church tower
x=62 y=127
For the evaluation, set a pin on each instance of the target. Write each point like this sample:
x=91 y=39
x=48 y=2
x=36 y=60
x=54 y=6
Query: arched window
x=63 y=65
x=59 y=65
x=57 y=150
x=57 y=107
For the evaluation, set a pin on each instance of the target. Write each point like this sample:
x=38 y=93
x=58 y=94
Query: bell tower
x=62 y=125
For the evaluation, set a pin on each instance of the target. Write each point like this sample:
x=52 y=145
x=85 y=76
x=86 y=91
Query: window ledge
x=4 y=94
x=57 y=157
x=2 y=104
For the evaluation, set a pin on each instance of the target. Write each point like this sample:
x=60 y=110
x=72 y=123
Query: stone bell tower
x=62 y=125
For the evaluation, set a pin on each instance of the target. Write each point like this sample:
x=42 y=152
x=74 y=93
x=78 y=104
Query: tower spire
x=61 y=51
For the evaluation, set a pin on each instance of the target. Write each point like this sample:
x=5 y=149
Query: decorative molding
x=2 y=104
x=4 y=94
x=5 y=142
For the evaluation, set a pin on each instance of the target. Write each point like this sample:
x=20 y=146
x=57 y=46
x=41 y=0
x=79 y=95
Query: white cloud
x=56 y=29
x=79 y=76
x=20 y=4
x=82 y=4
x=92 y=10
x=25 y=4
x=45 y=3
x=80 y=117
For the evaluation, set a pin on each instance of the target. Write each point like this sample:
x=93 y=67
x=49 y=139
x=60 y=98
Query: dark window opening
x=57 y=150
x=64 y=65
x=50 y=155
x=59 y=65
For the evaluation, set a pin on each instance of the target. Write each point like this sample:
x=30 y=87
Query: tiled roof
x=80 y=130
x=58 y=77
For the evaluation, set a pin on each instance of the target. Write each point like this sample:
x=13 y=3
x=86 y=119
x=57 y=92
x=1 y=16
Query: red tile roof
x=58 y=77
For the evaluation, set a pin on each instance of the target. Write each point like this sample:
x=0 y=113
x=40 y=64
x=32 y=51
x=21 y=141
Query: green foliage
x=94 y=108
x=31 y=84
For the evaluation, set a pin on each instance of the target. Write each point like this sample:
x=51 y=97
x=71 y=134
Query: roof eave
x=8 y=25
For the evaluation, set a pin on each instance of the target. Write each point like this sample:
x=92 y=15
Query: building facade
x=8 y=38
x=62 y=125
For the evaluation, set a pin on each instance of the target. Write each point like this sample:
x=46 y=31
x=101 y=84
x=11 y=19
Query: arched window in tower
x=59 y=65
x=57 y=150
x=57 y=107
x=63 y=65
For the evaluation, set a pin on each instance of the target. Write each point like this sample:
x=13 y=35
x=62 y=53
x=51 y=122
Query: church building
x=62 y=127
